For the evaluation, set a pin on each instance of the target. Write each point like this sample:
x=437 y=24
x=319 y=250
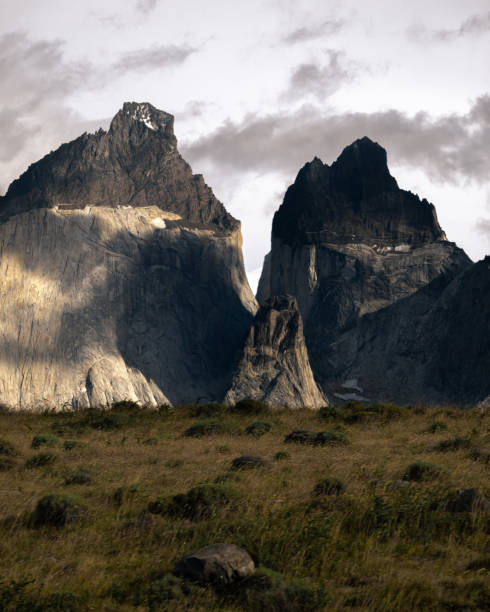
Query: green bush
x=437 y=426
x=80 y=476
x=330 y=438
x=329 y=413
x=40 y=460
x=44 y=440
x=269 y=591
x=71 y=444
x=106 y=421
x=329 y=486
x=7 y=449
x=422 y=471
x=201 y=502
x=281 y=455
x=58 y=510
x=358 y=412
x=125 y=495
x=453 y=444
x=212 y=409
x=258 y=429
x=208 y=428
x=250 y=406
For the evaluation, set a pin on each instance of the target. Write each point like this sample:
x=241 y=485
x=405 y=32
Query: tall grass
x=383 y=544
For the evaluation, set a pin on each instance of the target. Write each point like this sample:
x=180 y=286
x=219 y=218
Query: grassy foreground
x=356 y=520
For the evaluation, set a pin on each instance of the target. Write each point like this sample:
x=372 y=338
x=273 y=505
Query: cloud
x=473 y=26
x=482 y=226
x=305 y=34
x=152 y=58
x=36 y=83
x=146 y=6
x=320 y=82
x=451 y=148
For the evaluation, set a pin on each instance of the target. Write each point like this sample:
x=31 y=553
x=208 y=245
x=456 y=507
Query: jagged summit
x=355 y=200
x=135 y=163
x=143 y=113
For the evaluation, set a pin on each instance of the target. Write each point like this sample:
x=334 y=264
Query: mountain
x=121 y=274
x=348 y=243
x=274 y=365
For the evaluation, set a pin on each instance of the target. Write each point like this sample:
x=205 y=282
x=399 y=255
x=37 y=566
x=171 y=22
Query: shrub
x=212 y=409
x=208 y=428
x=422 y=471
x=329 y=486
x=40 y=460
x=71 y=444
x=258 y=429
x=44 y=440
x=7 y=449
x=201 y=502
x=126 y=406
x=281 y=455
x=62 y=602
x=358 y=412
x=330 y=438
x=268 y=591
x=123 y=495
x=249 y=462
x=151 y=441
x=6 y=464
x=453 y=444
x=329 y=413
x=437 y=426
x=58 y=510
x=106 y=422
x=250 y=406
x=79 y=477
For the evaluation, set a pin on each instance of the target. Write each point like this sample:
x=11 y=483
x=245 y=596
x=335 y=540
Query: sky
x=260 y=87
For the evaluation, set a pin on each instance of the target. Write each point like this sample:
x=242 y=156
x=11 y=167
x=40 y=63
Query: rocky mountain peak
x=136 y=163
x=361 y=170
x=143 y=116
x=355 y=200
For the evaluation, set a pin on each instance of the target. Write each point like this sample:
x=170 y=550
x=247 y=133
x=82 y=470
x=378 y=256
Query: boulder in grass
x=218 y=564
x=467 y=500
x=249 y=462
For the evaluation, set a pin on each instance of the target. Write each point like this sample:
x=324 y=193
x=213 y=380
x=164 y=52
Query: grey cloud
x=37 y=82
x=152 y=58
x=482 y=226
x=473 y=26
x=451 y=148
x=312 y=79
x=304 y=34
x=146 y=6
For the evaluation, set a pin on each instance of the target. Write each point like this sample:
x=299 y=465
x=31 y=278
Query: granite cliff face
x=433 y=345
x=348 y=243
x=274 y=366
x=121 y=275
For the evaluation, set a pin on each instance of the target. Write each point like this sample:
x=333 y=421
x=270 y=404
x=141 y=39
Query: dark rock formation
x=432 y=346
x=218 y=564
x=348 y=243
x=135 y=163
x=274 y=365
x=121 y=275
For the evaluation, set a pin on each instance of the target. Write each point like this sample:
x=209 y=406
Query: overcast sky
x=259 y=87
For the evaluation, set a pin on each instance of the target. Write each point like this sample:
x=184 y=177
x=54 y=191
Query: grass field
x=380 y=539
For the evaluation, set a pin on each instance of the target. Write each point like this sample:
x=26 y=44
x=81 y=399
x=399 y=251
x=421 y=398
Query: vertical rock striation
x=274 y=366
x=121 y=275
